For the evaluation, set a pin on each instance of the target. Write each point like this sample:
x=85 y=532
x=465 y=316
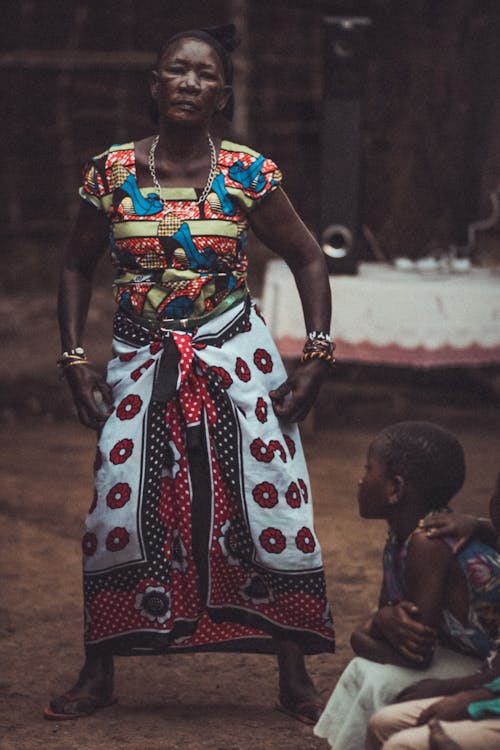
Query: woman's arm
x=86 y=245
x=277 y=225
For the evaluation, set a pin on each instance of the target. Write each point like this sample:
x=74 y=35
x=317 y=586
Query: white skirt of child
x=365 y=686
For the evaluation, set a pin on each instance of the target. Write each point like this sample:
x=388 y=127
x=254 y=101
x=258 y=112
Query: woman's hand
x=93 y=397
x=295 y=397
x=398 y=625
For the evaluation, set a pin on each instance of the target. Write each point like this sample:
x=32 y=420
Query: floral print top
x=175 y=257
x=481 y=567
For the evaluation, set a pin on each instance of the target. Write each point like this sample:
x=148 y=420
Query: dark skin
x=405 y=635
x=438 y=739
x=454 y=707
x=454 y=685
x=189 y=88
x=464 y=527
x=455 y=696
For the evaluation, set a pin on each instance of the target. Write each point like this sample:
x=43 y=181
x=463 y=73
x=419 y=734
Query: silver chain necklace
x=211 y=174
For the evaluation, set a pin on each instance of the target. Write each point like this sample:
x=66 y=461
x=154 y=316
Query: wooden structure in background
x=74 y=79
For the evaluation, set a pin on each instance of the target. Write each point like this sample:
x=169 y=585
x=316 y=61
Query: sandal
x=308 y=712
x=75 y=707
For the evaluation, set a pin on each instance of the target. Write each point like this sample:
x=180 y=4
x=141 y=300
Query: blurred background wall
x=74 y=79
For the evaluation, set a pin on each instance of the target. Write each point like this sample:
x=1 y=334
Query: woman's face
x=188 y=85
x=375 y=489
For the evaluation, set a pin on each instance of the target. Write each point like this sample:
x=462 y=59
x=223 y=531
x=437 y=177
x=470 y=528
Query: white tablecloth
x=386 y=316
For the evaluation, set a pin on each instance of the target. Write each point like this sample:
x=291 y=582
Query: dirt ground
x=194 y=702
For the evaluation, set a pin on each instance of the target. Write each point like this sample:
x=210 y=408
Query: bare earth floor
x=210 y=702
x=184 y=702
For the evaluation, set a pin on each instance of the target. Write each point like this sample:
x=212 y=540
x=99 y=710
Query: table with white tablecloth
x=383 y=315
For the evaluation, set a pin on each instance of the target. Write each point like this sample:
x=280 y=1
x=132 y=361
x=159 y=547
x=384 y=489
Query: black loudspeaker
x=346 y=55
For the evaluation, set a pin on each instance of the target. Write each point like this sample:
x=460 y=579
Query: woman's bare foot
x=92 y=690
x=297 y=697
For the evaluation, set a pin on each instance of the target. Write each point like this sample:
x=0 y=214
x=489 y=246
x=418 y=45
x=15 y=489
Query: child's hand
x=450 y=708
x=452 y=524
x=399 y=626
x=438 y=739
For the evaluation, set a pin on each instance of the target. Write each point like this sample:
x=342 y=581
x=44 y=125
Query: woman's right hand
x=93 y=397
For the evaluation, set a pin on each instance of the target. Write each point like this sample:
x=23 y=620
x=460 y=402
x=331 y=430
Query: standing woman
x=200 y=535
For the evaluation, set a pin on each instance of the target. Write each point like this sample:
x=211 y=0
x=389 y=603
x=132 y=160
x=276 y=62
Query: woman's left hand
x=293 y=399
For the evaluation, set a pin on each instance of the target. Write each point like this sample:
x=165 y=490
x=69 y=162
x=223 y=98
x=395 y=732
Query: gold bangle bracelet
x=75 y=362
x=327 y=358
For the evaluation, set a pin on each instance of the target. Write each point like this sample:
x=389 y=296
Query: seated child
x=434 y=607
x=468 y=707
x=470 y=717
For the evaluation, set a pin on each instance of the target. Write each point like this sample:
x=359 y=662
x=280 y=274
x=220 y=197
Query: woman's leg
x=297 y=694
x=96 y=675
x=92 y=690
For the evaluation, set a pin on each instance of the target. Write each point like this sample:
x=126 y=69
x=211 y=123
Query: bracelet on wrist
x=318 y=345
x=73 y=357
x=329 y=359
x=319 y=336
x=75 y=362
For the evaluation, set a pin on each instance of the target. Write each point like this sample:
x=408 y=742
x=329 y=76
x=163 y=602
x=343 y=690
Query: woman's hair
x=427 y=456
x=224 y=40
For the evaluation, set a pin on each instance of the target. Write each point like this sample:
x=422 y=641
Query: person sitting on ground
x=469 y=706
x=429 y=615
x=471 y=716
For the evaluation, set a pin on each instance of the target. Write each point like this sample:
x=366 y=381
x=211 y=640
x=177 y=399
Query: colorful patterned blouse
x=176 y=258
x=481 y=568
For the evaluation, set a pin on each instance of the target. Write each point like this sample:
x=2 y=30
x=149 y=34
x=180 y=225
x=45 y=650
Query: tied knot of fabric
x=181 y=373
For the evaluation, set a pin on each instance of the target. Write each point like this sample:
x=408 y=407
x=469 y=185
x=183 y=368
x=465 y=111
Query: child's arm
x=399 y=625
x=394 y=635
x=381 y=651
x=426 y=574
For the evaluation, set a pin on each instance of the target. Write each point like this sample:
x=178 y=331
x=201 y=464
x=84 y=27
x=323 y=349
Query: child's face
x=375 y=487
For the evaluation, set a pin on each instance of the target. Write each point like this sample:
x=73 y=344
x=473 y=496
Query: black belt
x=188 y=324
